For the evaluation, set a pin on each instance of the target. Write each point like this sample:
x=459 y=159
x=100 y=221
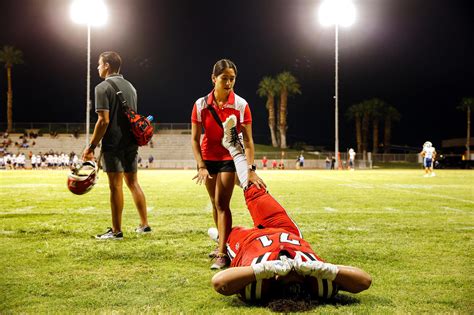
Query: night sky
x=417 y=55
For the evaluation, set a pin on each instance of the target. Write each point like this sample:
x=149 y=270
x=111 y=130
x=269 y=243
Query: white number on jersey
x=284 y=238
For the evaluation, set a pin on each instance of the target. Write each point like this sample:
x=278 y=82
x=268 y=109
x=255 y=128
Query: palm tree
x=355 y=112
x=268 y=88
x=366 y=114
x=376 y=107
x=10 y=56
x=467 y=104
x=288 y=85
x=390 y=114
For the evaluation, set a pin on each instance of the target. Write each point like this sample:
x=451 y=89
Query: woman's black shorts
x=214 y=167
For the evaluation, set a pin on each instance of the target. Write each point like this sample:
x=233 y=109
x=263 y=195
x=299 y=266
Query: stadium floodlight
x=340 y=12
x=337 y=12
x=91 y=13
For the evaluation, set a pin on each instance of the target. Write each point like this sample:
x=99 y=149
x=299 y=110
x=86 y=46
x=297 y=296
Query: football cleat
x=83 y=177
x=232 y=140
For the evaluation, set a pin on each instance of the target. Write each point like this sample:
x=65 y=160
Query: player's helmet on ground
x=83 y=177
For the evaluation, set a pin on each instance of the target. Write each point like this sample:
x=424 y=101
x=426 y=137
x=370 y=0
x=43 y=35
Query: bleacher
x=169 y=149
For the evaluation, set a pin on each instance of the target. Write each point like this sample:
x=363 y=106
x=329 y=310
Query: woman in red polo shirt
x=216 y=168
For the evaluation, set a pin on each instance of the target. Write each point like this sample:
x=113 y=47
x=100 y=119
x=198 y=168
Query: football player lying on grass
x=272 y=260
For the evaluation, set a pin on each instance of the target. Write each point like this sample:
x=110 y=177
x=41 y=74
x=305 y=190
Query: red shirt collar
x=230 y=100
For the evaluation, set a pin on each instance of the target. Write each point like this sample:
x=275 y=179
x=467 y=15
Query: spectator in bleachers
x=33 y=134
x=75 y=159
x=150 y=160
x=24 y=143
x=21 y=160
x=33 y=162
x=8 y=161
x=14 y=161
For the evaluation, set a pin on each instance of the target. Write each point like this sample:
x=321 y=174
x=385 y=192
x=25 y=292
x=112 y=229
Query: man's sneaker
x=221 y=262
x=231 y=140
x=110 y=235
x=143 y=229
x=433 y=174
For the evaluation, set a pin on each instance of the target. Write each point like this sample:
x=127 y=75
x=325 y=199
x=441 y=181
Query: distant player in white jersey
x=429 y=154
x=352 y=156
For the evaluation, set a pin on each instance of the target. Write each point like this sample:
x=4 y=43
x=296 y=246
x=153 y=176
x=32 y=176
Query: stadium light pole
x=90 y=13
x=337 y=13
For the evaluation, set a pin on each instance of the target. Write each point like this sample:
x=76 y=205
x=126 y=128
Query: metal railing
x=41 y=128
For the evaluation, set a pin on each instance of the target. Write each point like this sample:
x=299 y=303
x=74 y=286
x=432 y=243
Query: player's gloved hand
x=269 y=269
x=315 y=268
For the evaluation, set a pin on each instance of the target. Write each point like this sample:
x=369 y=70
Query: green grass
x=414 y=235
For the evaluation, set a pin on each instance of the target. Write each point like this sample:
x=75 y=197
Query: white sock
x=241 y=166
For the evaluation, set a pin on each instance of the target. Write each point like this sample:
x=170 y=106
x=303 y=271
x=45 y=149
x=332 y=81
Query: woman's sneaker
x=110 y=235
x=214 y=253
x=143 y=229
x=221 y=262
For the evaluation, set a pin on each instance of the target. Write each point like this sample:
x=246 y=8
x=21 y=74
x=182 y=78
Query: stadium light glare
x=337 y=12
x=340 y=12
x=91 y=13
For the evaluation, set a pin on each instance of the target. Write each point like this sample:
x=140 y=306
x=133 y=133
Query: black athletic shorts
x=214 y=167
x=120 y=161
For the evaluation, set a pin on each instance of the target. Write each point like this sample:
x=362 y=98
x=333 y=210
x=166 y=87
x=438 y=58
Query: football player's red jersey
x=274 y=233
x=251 y=246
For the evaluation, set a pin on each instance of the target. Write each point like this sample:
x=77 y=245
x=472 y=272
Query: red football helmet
x=83 y=177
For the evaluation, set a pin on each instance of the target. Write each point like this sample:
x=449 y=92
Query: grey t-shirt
x=118 y=135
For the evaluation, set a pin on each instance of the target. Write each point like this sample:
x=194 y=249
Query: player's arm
x=100 y=128
x=202 y=174
x=352 y=279
x=232 y=280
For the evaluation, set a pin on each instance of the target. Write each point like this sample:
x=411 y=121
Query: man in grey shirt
x=119 y=148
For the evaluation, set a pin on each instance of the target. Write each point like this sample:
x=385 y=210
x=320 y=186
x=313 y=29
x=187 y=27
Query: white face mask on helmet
x=83 y=177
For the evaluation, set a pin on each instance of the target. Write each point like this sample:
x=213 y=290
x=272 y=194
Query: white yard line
x=432 y=195
x=385 y=186
x=452 y=209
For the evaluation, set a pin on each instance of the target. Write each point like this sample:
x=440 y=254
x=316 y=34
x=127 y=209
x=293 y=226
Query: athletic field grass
x=414 y=235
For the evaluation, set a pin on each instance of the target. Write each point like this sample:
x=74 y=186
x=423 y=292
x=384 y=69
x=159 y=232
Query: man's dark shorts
x=120 y=161
x=214 y=167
